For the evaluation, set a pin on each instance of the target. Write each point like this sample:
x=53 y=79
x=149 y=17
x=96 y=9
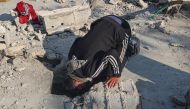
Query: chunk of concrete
x=2 y=30
x=57 y=21
x=2 y=46
x=13 y=51
x=123 y=96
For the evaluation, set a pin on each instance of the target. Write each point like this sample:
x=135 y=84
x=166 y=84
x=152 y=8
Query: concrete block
x=58 y=20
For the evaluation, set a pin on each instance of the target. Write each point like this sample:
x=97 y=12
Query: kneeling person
x=101 y=54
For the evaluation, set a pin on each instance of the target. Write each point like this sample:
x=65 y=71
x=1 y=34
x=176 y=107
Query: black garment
x=103 y=47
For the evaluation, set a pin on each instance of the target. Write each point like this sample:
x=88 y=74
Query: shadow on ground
x=6 y=17
x=161 y=81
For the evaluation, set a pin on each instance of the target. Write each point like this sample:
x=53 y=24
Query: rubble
x=2 y=46
x=114 y=2
x=3 y=30
x=176 y=45
x=58 y=20
x=60 y=1
x=19 y=69
x=34 y=52
x=13 y=51
x=125 y=96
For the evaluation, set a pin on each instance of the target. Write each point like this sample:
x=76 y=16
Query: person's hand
x=112 y=82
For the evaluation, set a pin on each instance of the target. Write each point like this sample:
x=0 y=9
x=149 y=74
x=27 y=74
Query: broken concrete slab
x=57 y=21
x=124 y=96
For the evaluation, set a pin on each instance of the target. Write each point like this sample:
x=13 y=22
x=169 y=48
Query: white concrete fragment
x=13 y=51
x=39 y=36
x=19 y=69
x=58 y=20
x=143 y=4
x=36 y=51
x=2 y=46
x=2 y=30
x=114 y=2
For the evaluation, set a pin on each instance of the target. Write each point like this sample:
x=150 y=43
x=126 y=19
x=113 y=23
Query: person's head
x=72 y=83
x=23 y=8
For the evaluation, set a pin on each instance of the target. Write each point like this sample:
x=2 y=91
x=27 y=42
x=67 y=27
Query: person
x=25 y=11
x=101 y=54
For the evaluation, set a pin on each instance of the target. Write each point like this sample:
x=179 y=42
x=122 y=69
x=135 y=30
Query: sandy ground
x=161 y=70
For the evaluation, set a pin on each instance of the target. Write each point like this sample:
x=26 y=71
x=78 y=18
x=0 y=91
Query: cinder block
x=60 y=19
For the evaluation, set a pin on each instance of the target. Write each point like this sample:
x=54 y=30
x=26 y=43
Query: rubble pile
x=22 y=44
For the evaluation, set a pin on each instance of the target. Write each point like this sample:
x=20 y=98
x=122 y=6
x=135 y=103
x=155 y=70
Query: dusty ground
x=160 y=71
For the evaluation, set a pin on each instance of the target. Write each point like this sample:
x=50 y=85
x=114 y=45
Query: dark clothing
x=103 y=47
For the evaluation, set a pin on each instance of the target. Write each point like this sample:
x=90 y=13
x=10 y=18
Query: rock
x=13 y=51
x=29 y=28
x=19 y=69
x=39 y=36
x=60 y=1
x=23 y=84
x=114 y=2
x=96 y=3
x=13 y=44
x=124 y=96
x=138 y=2
x=3 y=76
x=146 y=47
x=176 y=45
x=2 y=46
x=2 y=30
x=143 y=4
x=10 y=72
x=58 y=20
x=34 y=52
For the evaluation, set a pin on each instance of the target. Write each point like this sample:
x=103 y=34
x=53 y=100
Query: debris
x=176 y=45
x=60 y=1
x=39 y=36
x=146 y=47
x=19 y=69
x=3 y=76
x=2 y=46
x=58 y=20
x=10 y=73
x=2 y=30
x=34 y=52
x=143 y=4
x=13 y=51
x=125 y=92
x=140 y=3
x=114 y=2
